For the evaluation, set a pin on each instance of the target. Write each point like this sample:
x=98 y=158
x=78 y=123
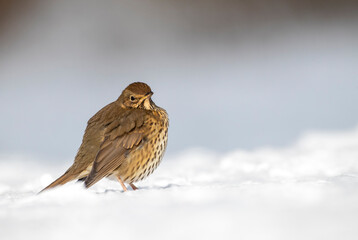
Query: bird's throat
x=147 y=104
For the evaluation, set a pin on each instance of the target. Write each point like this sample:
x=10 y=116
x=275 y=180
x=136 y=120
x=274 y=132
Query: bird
x=126 y=139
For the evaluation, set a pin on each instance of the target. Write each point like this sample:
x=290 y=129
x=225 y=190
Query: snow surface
x=305 y=191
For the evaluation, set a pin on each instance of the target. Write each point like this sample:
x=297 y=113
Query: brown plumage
x=126 y=139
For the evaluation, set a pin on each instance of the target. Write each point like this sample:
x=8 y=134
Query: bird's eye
x=132 y=98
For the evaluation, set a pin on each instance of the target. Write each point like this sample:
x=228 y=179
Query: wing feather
x=122 y=136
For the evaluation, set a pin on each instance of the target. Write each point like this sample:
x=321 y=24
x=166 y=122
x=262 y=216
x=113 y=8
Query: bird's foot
x=121 y=182
x=133 y=186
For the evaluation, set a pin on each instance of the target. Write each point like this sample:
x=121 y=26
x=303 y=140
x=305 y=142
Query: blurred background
x=231 y=74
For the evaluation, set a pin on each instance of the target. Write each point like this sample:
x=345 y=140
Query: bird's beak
x=148 y=95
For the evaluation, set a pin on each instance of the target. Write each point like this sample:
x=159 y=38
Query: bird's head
x=137 y=95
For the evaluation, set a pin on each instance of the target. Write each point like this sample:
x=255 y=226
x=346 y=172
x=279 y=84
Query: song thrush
x=126 y=139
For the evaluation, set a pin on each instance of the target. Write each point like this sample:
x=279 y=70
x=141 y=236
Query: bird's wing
x=121 y=136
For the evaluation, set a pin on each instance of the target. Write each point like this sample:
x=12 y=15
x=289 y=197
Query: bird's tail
x=66 y=177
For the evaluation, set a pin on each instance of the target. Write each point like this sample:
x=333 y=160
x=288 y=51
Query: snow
x=305 y=191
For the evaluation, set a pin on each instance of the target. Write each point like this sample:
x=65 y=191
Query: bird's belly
x=142 y=162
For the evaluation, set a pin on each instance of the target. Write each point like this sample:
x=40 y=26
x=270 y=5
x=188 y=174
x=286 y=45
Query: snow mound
x=305 y=191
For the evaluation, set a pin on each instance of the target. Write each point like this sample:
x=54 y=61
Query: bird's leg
x=133 y=186
x=121 y=182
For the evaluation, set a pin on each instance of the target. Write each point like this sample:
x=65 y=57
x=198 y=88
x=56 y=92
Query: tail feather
x=65 y=178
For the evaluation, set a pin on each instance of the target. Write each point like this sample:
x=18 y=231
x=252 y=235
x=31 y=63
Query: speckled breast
x=143 y=161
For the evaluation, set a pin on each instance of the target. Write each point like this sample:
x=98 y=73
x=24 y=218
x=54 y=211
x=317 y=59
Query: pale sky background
x=231 y=75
